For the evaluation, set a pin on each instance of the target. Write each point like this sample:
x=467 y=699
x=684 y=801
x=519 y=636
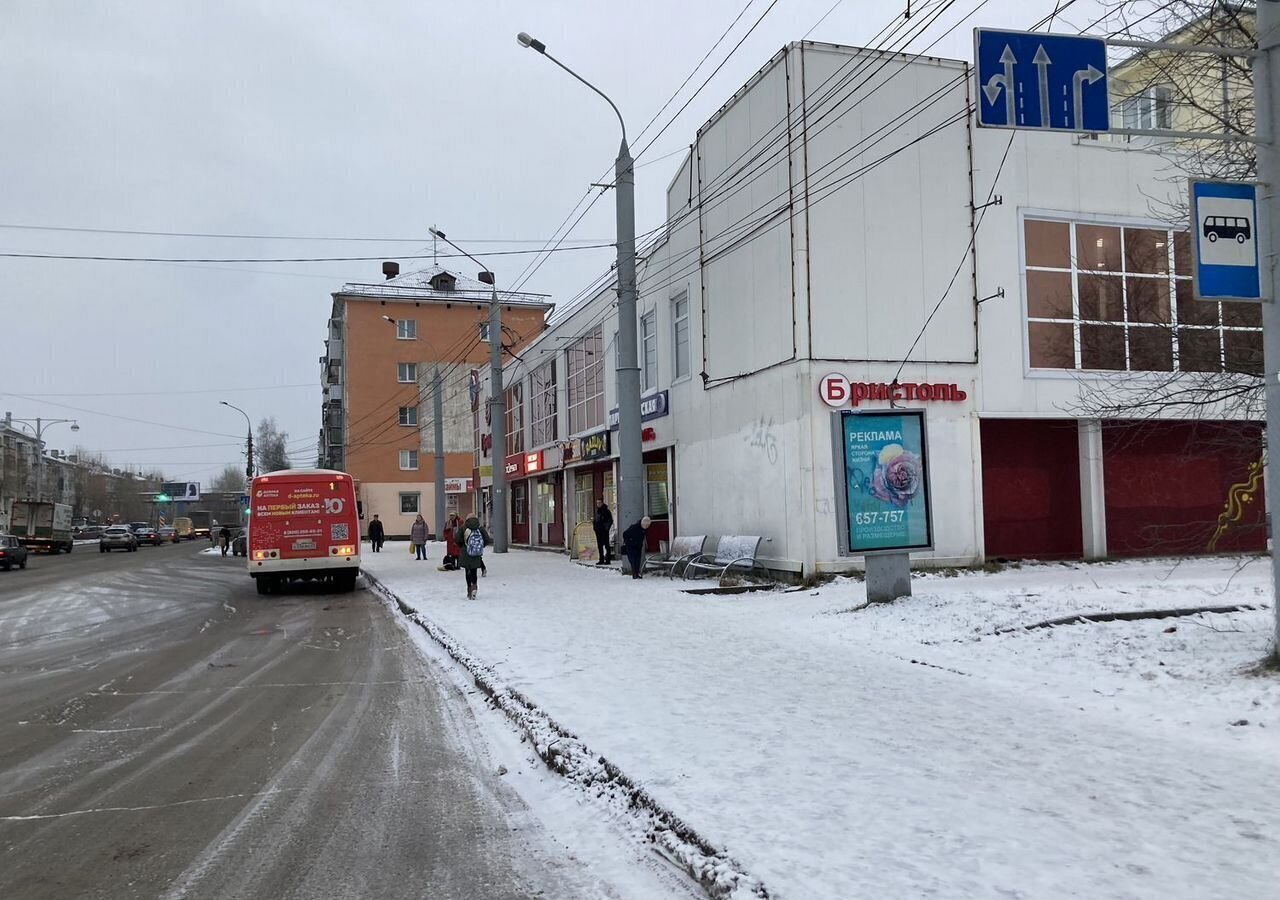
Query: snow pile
x=909 y=749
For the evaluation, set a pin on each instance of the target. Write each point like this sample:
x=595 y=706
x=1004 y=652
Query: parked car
x=12 y=553
x=240 y=542
x=90 y=533
x=147 y=535
x=168 y=533
x=117 y=537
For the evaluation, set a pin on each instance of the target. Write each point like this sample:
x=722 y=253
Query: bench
x=733 y=551
x=682 y=549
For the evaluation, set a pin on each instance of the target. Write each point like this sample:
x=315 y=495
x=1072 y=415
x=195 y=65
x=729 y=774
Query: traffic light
x=162 y=498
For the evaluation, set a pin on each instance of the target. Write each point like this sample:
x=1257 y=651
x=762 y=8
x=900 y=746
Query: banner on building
x=886 y=481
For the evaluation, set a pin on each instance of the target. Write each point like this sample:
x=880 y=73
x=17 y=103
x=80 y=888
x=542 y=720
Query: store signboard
x=654 y=406
x=593 y=446
x=460 y=485
x=886 y=481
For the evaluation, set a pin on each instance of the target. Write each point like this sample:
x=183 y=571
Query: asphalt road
x=166 y=732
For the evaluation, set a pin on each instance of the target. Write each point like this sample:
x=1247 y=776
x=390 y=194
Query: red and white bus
x=303 y=524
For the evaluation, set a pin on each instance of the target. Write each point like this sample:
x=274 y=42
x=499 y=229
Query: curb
x=566 y=754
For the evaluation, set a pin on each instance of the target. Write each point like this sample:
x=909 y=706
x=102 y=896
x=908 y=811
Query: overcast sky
x=356 y=120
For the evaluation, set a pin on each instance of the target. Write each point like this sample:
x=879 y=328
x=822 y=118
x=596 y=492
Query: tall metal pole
x=249 y=468
x=437 y=410
x=39 y=464
x=1266 y=81
x=630 y=467
x=497 y=426
x=630 y=464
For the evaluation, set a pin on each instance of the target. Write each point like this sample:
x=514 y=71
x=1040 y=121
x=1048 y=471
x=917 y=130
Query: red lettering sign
x=836 y=391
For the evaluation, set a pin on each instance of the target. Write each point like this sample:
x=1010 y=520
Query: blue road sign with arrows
x=1052 y=82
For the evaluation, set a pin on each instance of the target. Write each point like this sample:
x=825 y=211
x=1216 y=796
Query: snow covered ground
x=911 y=750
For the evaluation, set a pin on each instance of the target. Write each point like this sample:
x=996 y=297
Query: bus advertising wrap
x=886 y=481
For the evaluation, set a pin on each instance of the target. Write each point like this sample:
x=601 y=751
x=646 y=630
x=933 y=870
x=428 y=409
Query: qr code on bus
x=338 y=532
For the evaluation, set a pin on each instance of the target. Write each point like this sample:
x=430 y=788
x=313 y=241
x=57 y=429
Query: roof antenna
x=907 y=15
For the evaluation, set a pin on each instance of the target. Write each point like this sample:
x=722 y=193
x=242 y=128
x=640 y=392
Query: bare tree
x=230 y=478
x=271 y=446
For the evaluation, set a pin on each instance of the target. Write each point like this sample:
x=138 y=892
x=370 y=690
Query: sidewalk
x=905 y=750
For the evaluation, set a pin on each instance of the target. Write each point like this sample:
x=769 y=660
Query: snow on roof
x=417 y=286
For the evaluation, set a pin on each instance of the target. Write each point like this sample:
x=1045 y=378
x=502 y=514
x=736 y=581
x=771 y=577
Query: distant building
x=377 y=375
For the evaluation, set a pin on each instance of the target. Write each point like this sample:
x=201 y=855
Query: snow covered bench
x=683 y=548
x=733 y=551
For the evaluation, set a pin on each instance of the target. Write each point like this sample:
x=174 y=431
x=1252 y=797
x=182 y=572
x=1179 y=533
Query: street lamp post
x=40 y=426
x=630 y=469
x=437 y=411
x=248 y=465
x=497 y=404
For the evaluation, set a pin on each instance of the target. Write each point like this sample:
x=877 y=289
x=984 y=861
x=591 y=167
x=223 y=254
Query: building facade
x=386 y=341
x=841 y=221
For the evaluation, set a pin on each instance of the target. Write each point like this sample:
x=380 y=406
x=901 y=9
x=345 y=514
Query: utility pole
x=1266 y=88
x=497 y=403
x=437 y=410
x=248 y=462
x=630 y=465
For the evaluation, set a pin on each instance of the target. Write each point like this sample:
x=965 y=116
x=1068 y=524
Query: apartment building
x=385 y=342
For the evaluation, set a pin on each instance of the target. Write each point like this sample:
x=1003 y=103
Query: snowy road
x=165 y=732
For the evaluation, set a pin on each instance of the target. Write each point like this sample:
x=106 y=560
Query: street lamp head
x=485 y=277
x=436 y=233
x=75 y=426
x=389 y=319
x=525 y=40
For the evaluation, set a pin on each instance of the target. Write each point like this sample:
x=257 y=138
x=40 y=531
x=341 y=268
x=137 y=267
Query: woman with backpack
x=471 y=538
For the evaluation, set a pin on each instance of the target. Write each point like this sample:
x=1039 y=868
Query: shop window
x=1115 y=298
x=409 y=503
x=518 y=504
x=655 y=490
x=544 y=496
x=584 y=497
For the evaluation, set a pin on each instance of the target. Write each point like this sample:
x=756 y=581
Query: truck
x=201 y=523
x=303 y=524
x=42 y=526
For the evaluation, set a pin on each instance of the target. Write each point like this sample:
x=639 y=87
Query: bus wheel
x=347 y=582
x=261 y=581
x=1213 y=237
x=1240 y=238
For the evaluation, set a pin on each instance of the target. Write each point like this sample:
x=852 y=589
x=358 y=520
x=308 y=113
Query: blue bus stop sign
x=1224 y=241
x=1049 y=82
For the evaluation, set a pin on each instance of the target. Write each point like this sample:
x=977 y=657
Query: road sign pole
x=1266 y=72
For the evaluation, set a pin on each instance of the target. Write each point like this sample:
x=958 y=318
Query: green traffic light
x=162 y=498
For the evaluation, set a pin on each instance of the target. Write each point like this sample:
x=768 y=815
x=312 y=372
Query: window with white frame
x=409 y=502
x=407 y=329
x=542 y=405
x=1151 y=108
x=1119 y=298
x=649 y=350
x=680 y=335
x=408 y=415
x=408 y=460
x=515 y=418
x=407 y=373
x=584 y=364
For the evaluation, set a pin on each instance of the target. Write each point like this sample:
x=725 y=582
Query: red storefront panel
x=1031 y=489
x=1167 y=483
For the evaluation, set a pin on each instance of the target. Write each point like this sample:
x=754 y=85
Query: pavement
x=166 y=732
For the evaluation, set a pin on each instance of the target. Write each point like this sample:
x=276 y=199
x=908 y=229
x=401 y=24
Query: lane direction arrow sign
x=1022 y=75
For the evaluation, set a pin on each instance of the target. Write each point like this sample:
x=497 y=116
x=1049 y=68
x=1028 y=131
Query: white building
x=842 y=216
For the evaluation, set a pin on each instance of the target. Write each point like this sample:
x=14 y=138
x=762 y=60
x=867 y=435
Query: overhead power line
x=215 y=235
x=294 y=259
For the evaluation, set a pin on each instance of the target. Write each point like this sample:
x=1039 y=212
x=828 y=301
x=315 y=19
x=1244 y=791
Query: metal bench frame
x=729 y=554
x=682 y=549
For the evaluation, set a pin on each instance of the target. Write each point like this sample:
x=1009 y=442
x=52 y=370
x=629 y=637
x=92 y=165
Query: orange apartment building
x=377 y=376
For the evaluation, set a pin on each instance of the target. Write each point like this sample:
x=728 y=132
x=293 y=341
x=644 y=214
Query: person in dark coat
x=633 y=544
x=470 y=537
x=376 y=534
x=224 y=539
x=418 y=537
x=602 y=523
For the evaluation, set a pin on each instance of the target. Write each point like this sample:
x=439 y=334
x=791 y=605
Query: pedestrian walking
x=633 y=544
x=418 y=537
x=603 y=524
x=472 y=537
x=224 y=539
x=376 y=534
x=451 y=549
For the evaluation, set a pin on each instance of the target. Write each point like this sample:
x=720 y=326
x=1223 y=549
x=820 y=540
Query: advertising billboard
x=886 y=481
